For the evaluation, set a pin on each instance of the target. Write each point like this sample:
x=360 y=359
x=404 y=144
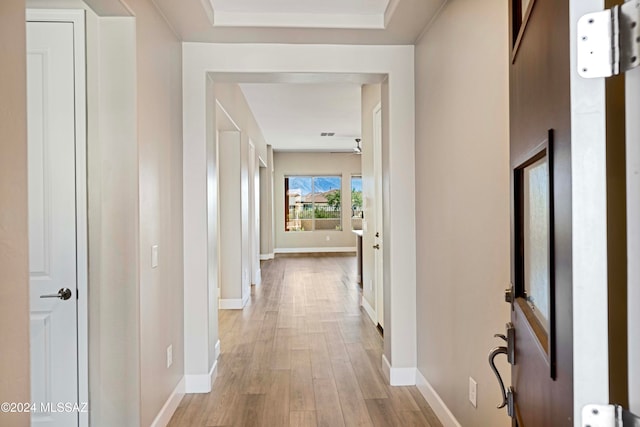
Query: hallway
x=303 y=353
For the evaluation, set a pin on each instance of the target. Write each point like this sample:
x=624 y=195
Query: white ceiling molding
x=330 y=14
x=298 y=20
x=330 y=22
x=300 y=78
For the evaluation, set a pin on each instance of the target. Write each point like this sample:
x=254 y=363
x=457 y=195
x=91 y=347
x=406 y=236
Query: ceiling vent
x=327 y=134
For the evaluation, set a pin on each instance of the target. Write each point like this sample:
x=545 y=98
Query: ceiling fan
x=358 y=148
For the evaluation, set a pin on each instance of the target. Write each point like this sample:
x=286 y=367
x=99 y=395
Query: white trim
x=370 y=311
x=201 y=383
x=386 y=368
x=312 y=250
x=77 y=18
x=398 y=376
x=258 y=277
x=202 y=63
x=299 y=20
x=170 y=406
x=216 y=351
x=267 y=257
x=233 y=303
x=434 y=400
x=632 y=82
x=402 y=376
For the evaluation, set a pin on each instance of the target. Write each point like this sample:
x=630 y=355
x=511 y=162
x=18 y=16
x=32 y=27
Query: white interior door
x=52 y=222
x=379 y=247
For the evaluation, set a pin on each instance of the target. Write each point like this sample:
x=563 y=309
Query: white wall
x=462 y=205
x=113 y=198
x=323 y=164
x=266 y=207
x=232 y=239
x=341 y=62
x=371 y=97
x=14 y=255
x=159 y=97
x=231 y=98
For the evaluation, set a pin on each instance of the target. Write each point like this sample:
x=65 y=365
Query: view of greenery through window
x=356 y=203
x=313 y=203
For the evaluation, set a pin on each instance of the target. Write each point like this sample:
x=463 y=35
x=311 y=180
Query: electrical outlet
x=473 y=392
x=328 y=237
x=169 y=356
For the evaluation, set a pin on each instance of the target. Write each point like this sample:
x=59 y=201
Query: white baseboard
x=258 y=277
x=313 y=250
x=170 y=406
x=398 y=376
x=370 y=311
x=386 y=368
x=266 y=257
x=437 y=404
x=232 y=303
x=201 y=383
x=216 y=351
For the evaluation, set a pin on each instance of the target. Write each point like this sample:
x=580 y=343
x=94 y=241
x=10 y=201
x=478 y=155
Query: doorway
x=56 y=116
x=378 y=247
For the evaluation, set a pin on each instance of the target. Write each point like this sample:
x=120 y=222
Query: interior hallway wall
x=14 y=255
x=159 y=93
x=266 y=207
x=462 y=204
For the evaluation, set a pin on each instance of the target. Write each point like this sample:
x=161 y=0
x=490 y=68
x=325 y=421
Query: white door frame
x=378 y=262
x=77 y=18
x=393 y=66
x=632 y=81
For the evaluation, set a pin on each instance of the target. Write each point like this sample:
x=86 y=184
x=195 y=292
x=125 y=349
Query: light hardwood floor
x=303 y=353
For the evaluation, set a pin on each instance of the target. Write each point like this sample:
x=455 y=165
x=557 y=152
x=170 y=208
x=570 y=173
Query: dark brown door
x=540 y=147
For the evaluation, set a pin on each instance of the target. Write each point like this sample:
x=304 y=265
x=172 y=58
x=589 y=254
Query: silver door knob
x=376 y=246
x=64 y=294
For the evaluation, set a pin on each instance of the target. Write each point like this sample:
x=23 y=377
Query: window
x=312 y=203
x=356 y=203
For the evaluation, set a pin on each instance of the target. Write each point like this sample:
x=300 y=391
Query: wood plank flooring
x=303 y=353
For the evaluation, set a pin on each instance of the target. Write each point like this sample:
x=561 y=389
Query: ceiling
x=300 y=21
x=292 y=116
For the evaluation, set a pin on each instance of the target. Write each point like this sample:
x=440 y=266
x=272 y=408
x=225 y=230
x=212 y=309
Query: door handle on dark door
x=507 y=395
x=64 y=294
x=492 y=355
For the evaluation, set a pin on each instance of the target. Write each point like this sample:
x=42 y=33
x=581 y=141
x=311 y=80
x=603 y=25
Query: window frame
x=287 y=206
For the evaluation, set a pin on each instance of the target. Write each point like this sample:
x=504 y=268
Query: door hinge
x=609 y=41
x=608 y=416
x=511 y=403
x=508 y=295
x=510 y=339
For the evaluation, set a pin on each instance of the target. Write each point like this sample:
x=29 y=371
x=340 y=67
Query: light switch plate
x=154 y=256
x=169 y=356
